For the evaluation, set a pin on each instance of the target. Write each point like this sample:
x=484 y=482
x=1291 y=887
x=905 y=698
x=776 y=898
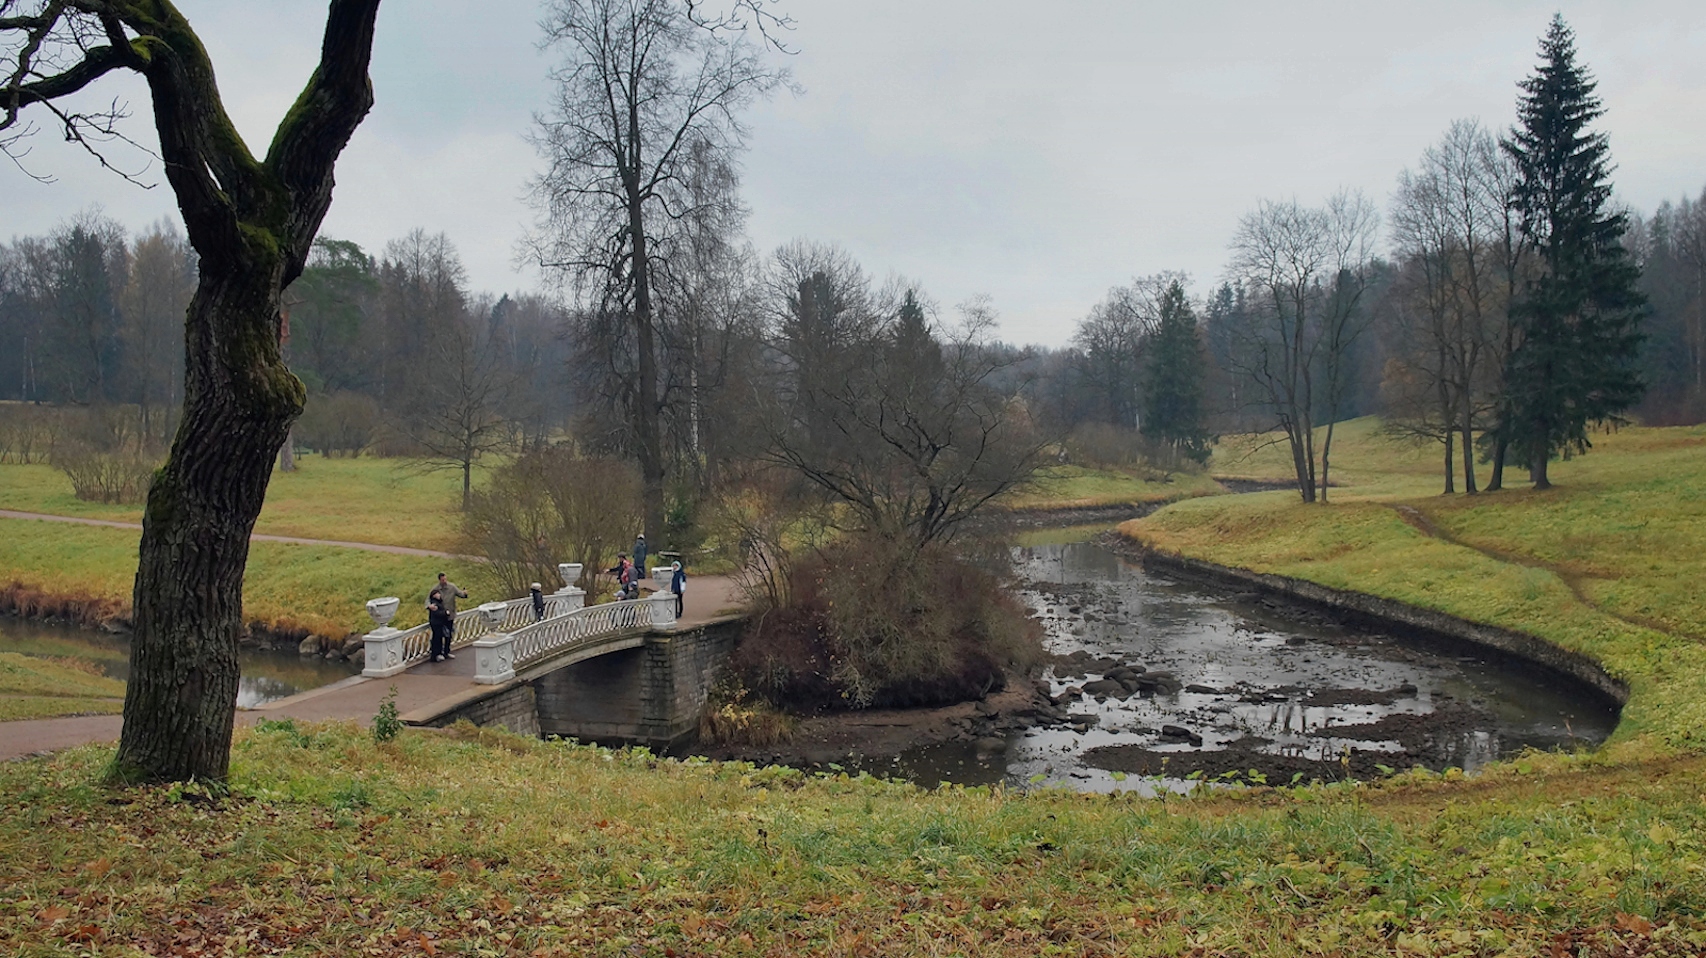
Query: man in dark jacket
x=639 y=557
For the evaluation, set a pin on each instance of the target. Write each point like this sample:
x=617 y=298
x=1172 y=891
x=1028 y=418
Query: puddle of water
x=1253 y=686
x=267 y=675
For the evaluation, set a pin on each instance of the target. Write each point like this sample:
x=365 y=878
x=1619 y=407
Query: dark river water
x=1276 y=689
x=266 y=675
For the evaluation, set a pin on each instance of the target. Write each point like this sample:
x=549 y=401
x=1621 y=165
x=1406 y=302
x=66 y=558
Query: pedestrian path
x=256 y=537
x=356 y=698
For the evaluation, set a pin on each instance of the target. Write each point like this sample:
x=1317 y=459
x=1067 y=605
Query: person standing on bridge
x=538 y=594
x=677 y=585
x=640 y=557
x=450 y=592
x=439 y=625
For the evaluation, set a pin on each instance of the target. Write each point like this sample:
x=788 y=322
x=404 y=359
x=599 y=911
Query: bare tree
x=251 y=220
x=645 y=87
x=911 y=435
x=456 y=413
x=1307 y=270
x=162 y=280
x=1447 y=225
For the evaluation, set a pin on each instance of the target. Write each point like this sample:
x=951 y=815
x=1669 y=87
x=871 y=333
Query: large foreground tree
x=1579 y=320
x=252 y=220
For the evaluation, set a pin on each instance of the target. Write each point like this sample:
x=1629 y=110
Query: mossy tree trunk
x=252 y=221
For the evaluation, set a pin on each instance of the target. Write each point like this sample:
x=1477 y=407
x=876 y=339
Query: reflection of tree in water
x=253 y=690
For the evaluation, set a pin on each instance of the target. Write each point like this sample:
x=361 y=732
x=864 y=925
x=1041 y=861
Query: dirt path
x=257 y=537
x=1573 y=580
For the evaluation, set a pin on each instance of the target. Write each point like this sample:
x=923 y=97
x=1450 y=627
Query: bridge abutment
x=651 y=695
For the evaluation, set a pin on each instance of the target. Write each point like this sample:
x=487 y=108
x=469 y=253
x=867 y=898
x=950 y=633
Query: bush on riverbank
x=878 y=624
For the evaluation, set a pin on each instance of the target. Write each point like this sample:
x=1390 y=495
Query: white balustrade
x=508 y=635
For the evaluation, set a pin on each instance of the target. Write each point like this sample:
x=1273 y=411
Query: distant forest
x=93 y=315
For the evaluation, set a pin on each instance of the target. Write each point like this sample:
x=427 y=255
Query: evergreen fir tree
x=1578 y=321
x=1172 y=400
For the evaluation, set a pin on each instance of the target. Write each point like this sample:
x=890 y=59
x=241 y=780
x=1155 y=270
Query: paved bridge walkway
x=419 y=688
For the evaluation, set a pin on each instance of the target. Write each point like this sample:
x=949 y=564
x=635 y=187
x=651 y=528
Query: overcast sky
x=1038 y=152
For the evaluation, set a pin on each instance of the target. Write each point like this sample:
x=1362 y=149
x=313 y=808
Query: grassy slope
x=384 y=501
x=317 y=588
x=1071 y=487
x=477 y=843
x=33 y=688
x=1608 y=563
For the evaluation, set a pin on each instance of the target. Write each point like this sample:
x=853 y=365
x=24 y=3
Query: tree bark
x=181 y=699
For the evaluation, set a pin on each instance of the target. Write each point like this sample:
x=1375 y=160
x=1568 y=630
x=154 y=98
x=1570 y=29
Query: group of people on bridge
x=628 y=573
x=441 y=600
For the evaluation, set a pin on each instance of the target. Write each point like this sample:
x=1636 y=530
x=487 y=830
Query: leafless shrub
x=877 y=623
x=548 y=506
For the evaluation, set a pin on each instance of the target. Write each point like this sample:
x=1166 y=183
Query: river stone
x=1178 y=733
x=1200 y=689
x=352 y=646
x=1158 y=682
x=310 y=645
x=1104 y=687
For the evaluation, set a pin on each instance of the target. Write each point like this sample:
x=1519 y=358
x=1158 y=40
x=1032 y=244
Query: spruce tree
x=1578 y=320
x=1172 y=400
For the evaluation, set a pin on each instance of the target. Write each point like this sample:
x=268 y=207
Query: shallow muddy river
x=266 y=675
x=1176 y=680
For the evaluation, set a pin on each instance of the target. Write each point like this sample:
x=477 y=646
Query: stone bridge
x=624 y=672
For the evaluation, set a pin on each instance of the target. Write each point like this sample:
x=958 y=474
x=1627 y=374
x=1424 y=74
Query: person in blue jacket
x=677 y=585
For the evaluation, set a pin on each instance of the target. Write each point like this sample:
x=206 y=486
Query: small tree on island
x=252 y=221
x=1578 y=321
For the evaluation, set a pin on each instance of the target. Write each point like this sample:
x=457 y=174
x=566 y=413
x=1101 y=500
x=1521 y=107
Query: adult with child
x=449 y=592
x=439 y=624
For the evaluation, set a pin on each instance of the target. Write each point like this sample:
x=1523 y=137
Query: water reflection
x=267 y=676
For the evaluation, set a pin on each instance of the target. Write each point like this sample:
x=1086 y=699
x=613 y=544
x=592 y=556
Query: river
x=1234 y=687
x=267 y=675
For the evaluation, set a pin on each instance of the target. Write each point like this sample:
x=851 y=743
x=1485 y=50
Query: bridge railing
x=390 y=651
x=499 y=655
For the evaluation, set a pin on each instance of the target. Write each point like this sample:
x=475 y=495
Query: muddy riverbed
x=1155 y=683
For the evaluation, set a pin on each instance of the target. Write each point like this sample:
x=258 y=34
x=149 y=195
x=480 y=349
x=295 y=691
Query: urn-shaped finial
x=382 y=610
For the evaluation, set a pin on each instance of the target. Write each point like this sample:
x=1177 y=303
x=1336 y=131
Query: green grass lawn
x=319 y=589
x=476 y=843
x=384 y=501
x=32 y=688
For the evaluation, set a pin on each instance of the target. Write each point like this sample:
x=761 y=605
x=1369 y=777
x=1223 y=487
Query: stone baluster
x=662 y=609
x=384 y=645
x=494 y=652
x=570 y=597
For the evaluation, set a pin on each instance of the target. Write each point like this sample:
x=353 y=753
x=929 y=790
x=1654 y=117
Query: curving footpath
x=256 y=537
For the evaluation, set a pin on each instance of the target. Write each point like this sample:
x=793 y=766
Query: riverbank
x=1597 y=569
